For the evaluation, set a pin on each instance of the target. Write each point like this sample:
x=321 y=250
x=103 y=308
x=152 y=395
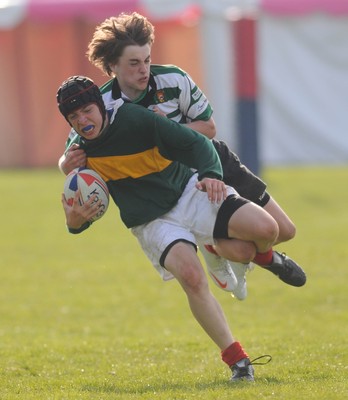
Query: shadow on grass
x=173 y=387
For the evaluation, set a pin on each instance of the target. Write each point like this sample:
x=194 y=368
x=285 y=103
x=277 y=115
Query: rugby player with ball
x=148 y=164
x=121 y=48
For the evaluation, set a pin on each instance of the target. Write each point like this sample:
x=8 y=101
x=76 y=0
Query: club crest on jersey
x=160 y=96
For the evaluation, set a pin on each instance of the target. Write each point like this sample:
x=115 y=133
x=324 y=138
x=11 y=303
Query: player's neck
x=133 y=95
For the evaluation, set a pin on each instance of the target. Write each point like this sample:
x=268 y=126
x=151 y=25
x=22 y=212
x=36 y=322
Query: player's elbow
x=60 y=163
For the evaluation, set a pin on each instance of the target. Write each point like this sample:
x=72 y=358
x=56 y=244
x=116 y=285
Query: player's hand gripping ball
x=90 y=183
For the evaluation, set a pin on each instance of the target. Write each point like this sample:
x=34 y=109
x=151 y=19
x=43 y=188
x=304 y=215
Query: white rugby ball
x=90 y=183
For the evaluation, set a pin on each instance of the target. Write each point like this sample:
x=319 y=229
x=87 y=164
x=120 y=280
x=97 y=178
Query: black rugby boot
x=286 y=269
x=243 y=370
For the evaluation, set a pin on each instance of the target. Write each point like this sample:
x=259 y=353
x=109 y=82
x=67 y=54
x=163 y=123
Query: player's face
x=87 y=121
x=133 y=70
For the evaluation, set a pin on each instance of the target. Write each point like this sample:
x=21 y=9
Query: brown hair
x=114 y=34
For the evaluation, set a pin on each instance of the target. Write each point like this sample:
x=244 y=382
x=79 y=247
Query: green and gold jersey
x=146 y=161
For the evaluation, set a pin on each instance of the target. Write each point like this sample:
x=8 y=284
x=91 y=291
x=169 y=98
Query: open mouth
x=87 y=129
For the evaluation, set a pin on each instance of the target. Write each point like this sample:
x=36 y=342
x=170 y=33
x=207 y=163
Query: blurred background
x=275 y=72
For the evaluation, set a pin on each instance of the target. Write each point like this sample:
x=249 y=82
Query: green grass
x=86 y=316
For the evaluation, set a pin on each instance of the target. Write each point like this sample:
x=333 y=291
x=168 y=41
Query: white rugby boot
x=219 y=269
x=239 y=269
x=227 y=275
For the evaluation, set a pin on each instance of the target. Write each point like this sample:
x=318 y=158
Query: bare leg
x=252 y=230
x=287 y=229
x=252 y=223
x=236 y=250
x=183 y=262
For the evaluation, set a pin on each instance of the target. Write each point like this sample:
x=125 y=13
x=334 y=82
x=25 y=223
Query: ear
x=113 y=70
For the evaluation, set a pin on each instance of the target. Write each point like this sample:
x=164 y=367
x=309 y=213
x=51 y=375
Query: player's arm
x=195 y=107
x=206 y=128
x=74 y=156
x=199 y=153
x=179 y=143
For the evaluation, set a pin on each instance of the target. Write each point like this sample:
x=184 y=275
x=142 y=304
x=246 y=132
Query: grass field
x=86 y=316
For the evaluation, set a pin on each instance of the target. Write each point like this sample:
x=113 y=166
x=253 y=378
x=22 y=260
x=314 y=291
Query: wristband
x=80 y=229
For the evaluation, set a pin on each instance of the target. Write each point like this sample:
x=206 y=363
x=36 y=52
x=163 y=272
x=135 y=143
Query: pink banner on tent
x=298 y=7
x=55 y=10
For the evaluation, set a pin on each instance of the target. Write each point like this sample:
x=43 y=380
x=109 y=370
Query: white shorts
x=192 y=219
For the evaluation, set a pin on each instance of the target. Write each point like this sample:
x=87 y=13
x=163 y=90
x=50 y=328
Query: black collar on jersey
x=146 y=101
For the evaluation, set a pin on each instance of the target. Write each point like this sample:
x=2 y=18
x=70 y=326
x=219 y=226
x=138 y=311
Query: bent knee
x=286 y=233
x=271 y=230
x=266 y=229
x=236 y=250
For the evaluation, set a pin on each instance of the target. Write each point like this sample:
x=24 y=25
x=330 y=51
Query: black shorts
x=239 y=176
x=227 y=209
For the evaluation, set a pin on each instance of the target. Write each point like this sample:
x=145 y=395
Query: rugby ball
x=90 y=183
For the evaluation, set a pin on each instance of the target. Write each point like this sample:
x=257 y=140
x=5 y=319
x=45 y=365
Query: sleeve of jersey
x=179 y=143
x=70 y=139
x=73 y=138
x=193 y=102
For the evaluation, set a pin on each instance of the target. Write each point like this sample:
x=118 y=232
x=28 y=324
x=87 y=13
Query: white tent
x=301 y=68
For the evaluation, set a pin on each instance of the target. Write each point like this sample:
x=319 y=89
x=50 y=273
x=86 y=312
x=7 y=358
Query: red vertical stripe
x=245 y=58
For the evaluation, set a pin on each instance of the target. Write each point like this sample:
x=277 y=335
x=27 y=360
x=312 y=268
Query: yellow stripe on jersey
x=132 y=165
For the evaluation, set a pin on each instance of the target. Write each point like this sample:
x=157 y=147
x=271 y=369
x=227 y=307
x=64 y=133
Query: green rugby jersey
x=146 y=161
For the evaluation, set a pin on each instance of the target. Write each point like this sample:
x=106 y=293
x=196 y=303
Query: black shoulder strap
x=148 y=99
x=115 y=91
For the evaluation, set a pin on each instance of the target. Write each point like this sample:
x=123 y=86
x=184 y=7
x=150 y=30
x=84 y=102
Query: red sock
x=264 y=258
x=210 y=248
x=233 y=354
